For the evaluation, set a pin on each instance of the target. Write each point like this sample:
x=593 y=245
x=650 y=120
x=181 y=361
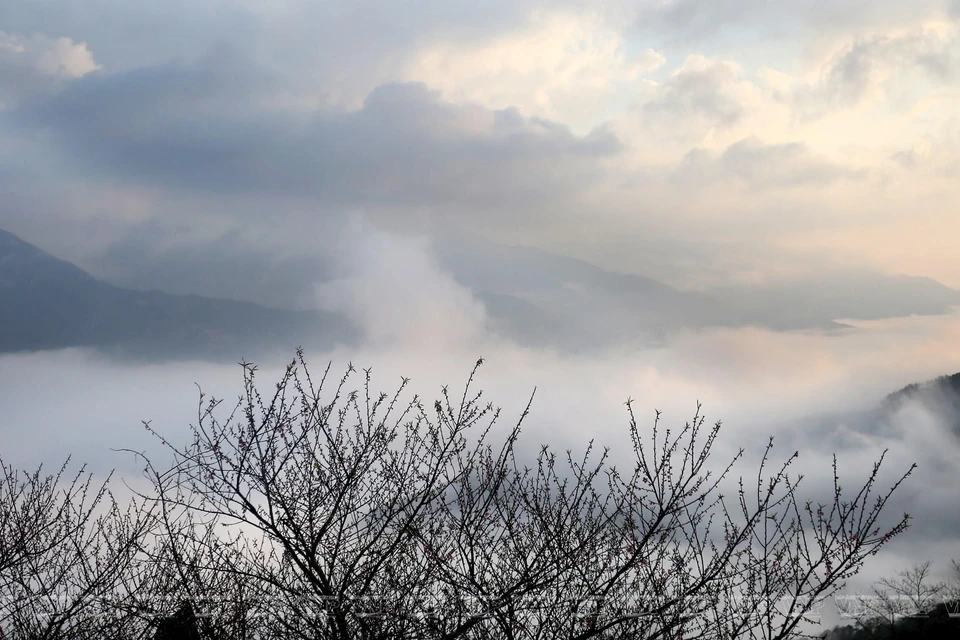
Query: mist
x=812 y=391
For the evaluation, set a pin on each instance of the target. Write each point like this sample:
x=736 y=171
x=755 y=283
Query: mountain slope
x=47 y=303
x=586 y=304
x=532 y=297
x=928 y=410
x=851 y=294
x=940 y=397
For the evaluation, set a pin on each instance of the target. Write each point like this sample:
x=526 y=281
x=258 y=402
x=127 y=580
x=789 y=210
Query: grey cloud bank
x=200 y=128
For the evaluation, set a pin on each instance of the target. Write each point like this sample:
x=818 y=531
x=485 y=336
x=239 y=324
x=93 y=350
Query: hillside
x=47 y=303
x=580 y=297
x=943 y=385
x=940 y=396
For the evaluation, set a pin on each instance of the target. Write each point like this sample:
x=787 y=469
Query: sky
x=307 y=153
x=697 y=142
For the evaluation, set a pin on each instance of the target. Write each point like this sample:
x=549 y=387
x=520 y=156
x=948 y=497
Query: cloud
x=758 y=382
x=853 y=91
x=696 y=17
x=886 y=64
x=210 y=127
x=704 y=20
x=28 y=64
x=707 y=101
x=393 y=289
x=762 y=166
x=207 y=131
x=703 y=89
x=339 y=52
x=127 y=35
x=569 y=68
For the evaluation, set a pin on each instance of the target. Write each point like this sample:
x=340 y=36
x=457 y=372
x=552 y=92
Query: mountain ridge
x=51 y=303
x=532 y=296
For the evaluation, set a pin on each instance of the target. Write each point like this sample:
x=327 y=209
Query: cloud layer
x=572 y=126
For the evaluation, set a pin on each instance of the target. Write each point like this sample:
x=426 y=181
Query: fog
x=83 y=404
x=808 y=389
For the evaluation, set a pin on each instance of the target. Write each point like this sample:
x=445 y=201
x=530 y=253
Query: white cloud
x=898 y=66
x=707 y=102
x=31 y=62
x=563 y=67
x=393 y=289
x=860 y=98
x=762 y=166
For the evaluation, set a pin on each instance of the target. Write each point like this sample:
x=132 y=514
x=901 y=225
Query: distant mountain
x=47 y=303
x=544 y=298
x=588 y=305
x=533 y=297
x=858 y=295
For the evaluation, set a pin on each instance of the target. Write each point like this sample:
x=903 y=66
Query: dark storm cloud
x=216 y=127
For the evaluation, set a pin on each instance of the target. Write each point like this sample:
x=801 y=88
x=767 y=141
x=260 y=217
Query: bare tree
x=65 y=544
x=356 y=515
x=912 y=596
x=185 y=566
